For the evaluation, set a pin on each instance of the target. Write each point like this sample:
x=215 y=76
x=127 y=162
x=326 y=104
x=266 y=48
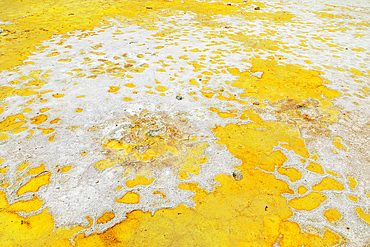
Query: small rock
x=178 y=97
x=257 y=8
x=237 y=175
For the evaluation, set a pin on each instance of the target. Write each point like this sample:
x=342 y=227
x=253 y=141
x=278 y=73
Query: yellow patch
x=352 y=182
x=364 y=216
x=39 y=119
x=57 y=95
x=113 y=89
x=127 y=99
x=139 y=180
x=107 y=216
x=328 y=184
x=161 y=89
x=35 y=184
x=36 y=170
x=26 y=206
x=302 y=190
x=308 y=202
x=292 y=173
x=3 y=136
x=332 y=215
x=103 y=164
x=314 y=167
x=131 y=85
x=9 y=123
x=129 y=198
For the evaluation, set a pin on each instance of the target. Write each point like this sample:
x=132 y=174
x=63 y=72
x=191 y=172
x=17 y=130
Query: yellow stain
x=27 y=206
x=3 y=170
x=35 y=184
x=53 y=54
x=107 y=216
x=284 y=81
x=332 y=215
x=55 y=121
x=308 y=202
x=328 y=184
x=44 y=110
x=51 y=138
x=257 y=149
x=252 y=115
x=207 y=94
x=129 y=198
x=331 y=238
x=23 y=166
x=302 y=190
x=193 y=82
x=356 y=72
x=292 y=173
x=19 y=130
x=35 y=73
x=3 y=136
x=57 y=95
x=161 y=89
x=131 y=85
x=36 y=170
x=352 y=182
x=332 y=173
x=340 y=146
x=10 y=124
x=113 y=89
x=314 y=167
x=353 y=198
x=103 y=164
x=46 y=131
x=139 y=180
x=39 y=119
x=364 y=216
x=160 y=193
x=65 y=169
x=32 y=228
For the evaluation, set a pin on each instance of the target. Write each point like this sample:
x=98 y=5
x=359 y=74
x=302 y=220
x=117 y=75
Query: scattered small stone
x=149 y=7
x=229 y=4
x=257 y=8
x=237 y=175
x=178 y=97
x=1 y=31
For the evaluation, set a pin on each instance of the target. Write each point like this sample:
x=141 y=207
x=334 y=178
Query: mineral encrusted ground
x=184 y=123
